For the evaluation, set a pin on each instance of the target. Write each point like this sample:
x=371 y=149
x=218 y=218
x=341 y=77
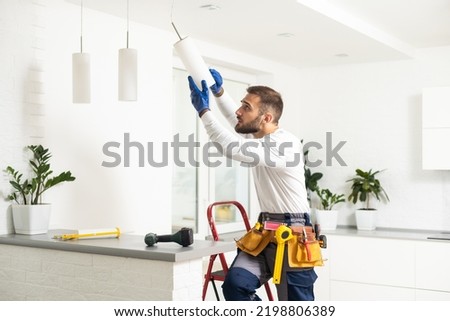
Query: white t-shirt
x=276 y=161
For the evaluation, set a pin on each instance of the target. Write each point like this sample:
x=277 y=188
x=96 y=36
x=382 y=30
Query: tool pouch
x=254 y=241
x=303 y=248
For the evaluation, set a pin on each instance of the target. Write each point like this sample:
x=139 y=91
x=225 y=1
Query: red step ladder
x=219 y=275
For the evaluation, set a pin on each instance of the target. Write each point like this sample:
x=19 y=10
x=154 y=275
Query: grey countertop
x=125 y=246
x=403 y=234
x=135 y=247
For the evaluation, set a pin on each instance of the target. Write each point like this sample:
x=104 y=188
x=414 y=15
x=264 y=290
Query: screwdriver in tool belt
x=306 y=242
x=282 y=234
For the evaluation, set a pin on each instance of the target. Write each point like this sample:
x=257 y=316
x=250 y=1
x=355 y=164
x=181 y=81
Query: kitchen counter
x=384 y=264
x=126 y=246
x=38 y=267
x=401 y=234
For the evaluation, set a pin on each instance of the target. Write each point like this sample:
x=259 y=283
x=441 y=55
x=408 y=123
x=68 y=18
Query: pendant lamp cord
x=128 y=21
x=81 y=27
x=171 y=20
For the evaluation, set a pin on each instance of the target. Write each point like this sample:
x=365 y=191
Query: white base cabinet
x=425 y=295
x=433 y=266
x=375 y=268
x=349 y=291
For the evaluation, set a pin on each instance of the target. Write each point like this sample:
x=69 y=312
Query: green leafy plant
x=311 y=179
x=366 y=185
x=329 y=199
x=29 y=191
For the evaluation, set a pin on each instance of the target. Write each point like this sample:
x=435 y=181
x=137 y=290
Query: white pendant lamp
x=192 y=60
x=127 y=70
x=81 y=72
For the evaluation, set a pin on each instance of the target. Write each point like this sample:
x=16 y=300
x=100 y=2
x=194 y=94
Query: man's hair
x=269 y=100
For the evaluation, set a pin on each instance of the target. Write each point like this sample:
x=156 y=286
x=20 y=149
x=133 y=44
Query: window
x=195 y=187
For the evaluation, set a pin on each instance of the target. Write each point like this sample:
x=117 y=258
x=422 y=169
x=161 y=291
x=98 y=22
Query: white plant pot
x=6 y=221
x=366 y=219
x=31 y=219
x=327 y=219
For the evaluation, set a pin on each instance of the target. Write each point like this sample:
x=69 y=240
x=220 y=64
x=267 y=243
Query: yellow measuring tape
x=96 y=233
x=282 y=234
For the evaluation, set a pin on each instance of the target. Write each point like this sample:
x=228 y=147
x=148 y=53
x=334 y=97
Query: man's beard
x=250 y=128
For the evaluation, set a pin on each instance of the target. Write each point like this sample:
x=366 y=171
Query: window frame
x=205 y=185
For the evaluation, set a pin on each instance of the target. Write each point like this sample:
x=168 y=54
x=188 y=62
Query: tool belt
x=304 y=250
x=255 y=240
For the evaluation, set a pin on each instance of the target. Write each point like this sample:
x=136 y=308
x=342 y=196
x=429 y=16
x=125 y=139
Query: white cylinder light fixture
x=127 y=74
x=191 y=58
x=127 y=70
x=81 y=72
x=81 y=78
x=193 y=61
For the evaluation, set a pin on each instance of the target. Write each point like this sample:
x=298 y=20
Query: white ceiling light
x=127 y=70
x=191 y=58
x=210 y=7
x=285 y=35
x=81 y=72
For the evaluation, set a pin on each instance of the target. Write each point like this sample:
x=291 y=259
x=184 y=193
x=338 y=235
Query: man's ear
x=268 y=117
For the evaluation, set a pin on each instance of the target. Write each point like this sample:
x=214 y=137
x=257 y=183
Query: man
x=276 y=159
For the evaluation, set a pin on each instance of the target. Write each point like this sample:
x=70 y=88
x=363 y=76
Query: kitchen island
x=38 y=267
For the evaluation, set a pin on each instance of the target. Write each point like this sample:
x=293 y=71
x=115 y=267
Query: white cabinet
x=433 y=266
x=349 y=291
x=377 y=268
x=372 y=260
x=322 y=285
x=435 y=128
x=425 y=295
x=435 y=149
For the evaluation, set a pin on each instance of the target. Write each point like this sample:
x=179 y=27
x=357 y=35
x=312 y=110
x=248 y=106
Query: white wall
x=376 y=108
x=42 y=35
x=20 y=89
x=36 y=107
x=136 y=198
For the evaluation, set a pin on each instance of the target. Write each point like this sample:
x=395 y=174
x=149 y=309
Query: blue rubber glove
x=199 y=98
x=216 y=88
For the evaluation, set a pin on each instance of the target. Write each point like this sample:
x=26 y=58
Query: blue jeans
x=248 y=273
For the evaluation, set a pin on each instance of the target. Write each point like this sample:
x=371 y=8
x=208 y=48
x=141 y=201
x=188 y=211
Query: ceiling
x=301 y=33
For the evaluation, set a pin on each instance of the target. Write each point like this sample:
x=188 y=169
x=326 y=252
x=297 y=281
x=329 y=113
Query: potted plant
x=30 y=214
x=327 y=216
x=311 y=182
x=365 y=186
x=311 y=179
